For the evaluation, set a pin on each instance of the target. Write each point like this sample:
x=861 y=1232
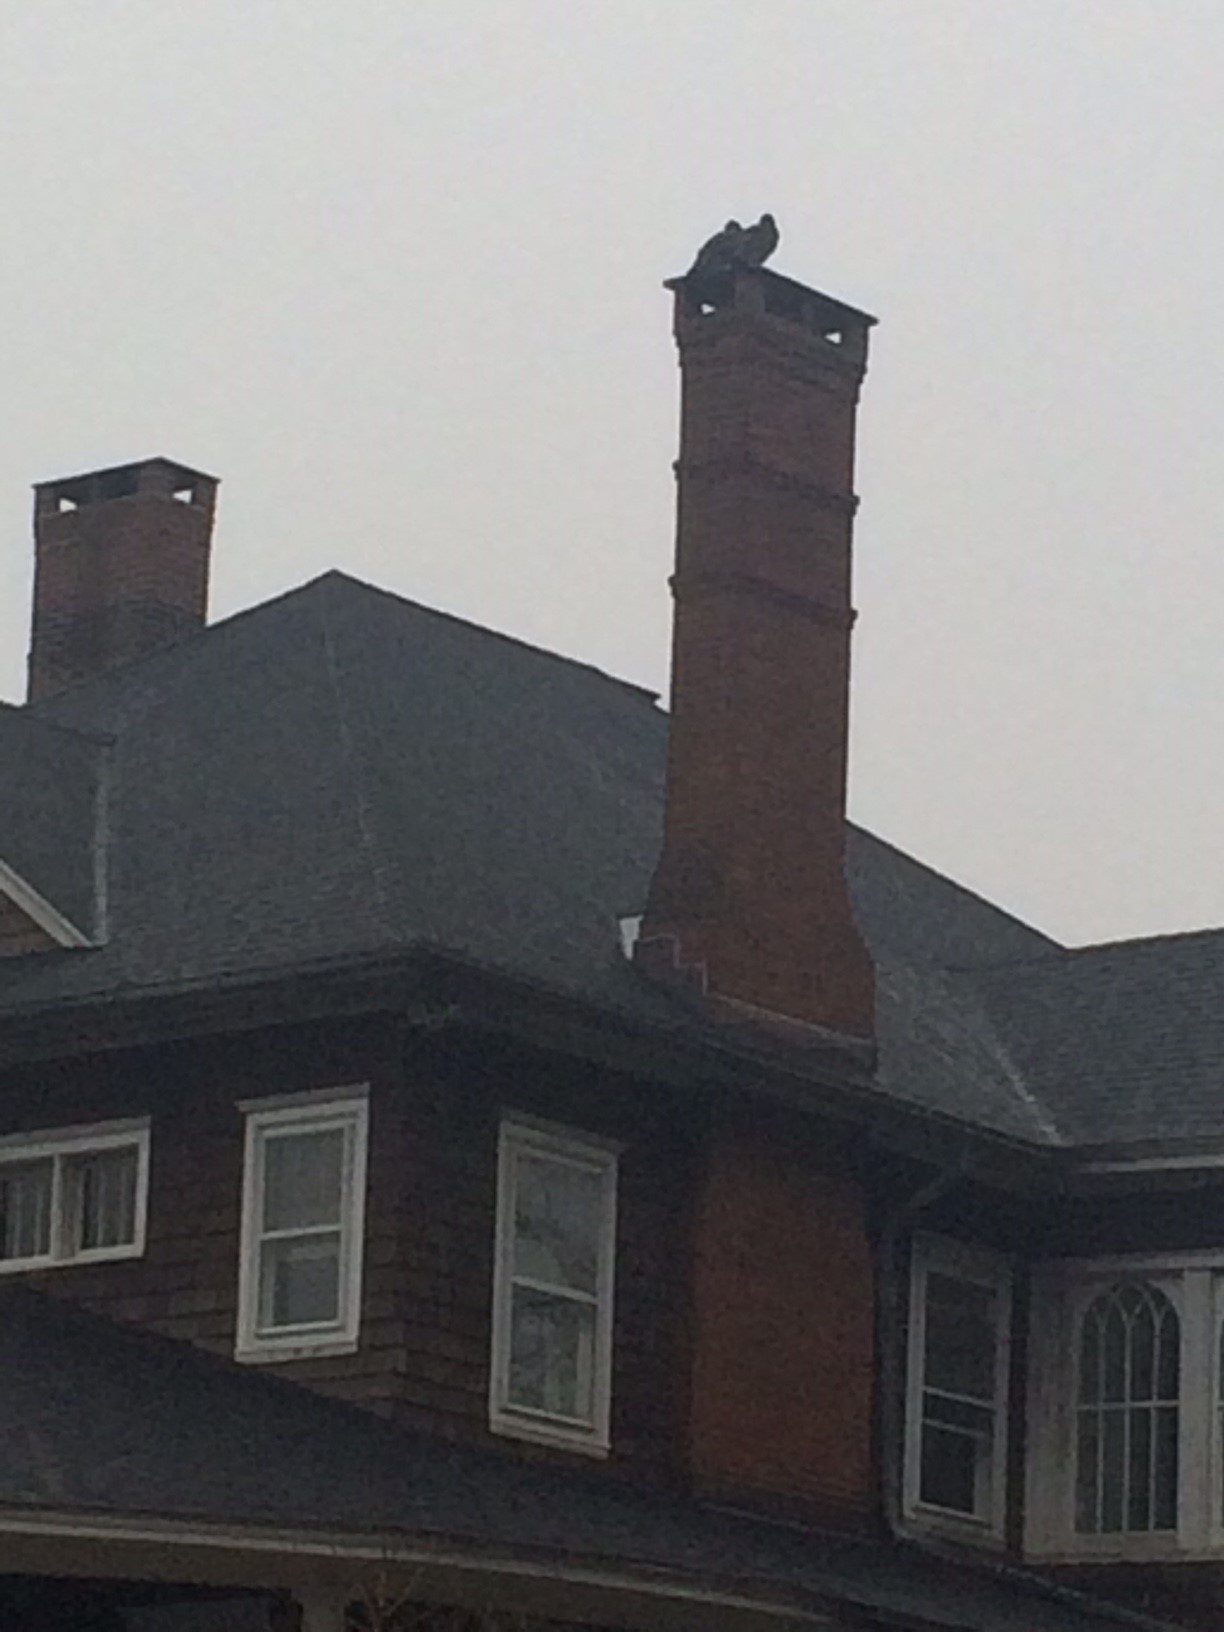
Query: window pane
x=1139 y=1473
x=552 y=1347
x=303 y=1179
x=1088 y=1453
x=961 y=1337
x=1126 y=1470
x=25 y=1209
x=1113 y=1327
x=952 y=1467
x=556 y=1223
x=100 y=1191
x=1165 y=1481
x=1113 y=1477
x=300 y=1281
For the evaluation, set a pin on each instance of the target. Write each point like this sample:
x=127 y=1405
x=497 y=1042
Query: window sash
x=581 y=1330
x=1127 y=1410
x=955 y=1437
x=271 y=1271
x=1059 y=1416
x=73 y=1160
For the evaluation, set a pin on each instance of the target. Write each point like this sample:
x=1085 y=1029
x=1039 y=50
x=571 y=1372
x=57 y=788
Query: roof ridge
x=356 y=779
x=645 y=692
x=958 y=884
x=160 y=653
x=1128 y=941
x=1036 y=1110
x=338 y=575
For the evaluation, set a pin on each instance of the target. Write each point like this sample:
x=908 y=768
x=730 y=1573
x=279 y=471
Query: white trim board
x=38 y=909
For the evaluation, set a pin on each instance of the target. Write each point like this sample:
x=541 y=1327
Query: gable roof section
x=1124 y=1042
x=340 y=773
x=28 y=922
x=53 y=787
x=100 y=1421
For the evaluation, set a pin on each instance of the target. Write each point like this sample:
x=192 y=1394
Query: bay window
x=1126 y=1409
x=956 y=1418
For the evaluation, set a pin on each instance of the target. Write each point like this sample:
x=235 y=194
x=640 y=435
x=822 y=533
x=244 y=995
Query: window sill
x=271 y=1354
x=98 y=1255
x=1135 y=1549
x=555 y=1434
x=935 y=1521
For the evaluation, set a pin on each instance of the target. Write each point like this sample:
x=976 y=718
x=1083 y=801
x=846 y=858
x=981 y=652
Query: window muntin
x=73 y=1195
x=1125 y=1461
x=1127 y=1414
x=956 y=1409
x=553 y=1275
x=302 y=1236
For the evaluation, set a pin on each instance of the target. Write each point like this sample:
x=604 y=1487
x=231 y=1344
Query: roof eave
x=425 y=986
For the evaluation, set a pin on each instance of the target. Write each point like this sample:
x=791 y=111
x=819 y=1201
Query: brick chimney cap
x=782 y=292
x=114 y=475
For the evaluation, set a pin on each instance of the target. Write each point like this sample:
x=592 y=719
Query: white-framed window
x=957 y=1387
x=303 y=1217
x=551 y=1370
x=73 y=1195
x=1126 y=1409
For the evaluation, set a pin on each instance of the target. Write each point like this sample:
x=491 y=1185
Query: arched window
x=1127 y=1412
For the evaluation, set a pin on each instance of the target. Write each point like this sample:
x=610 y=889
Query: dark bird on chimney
x=756 y=244
x=718 y=254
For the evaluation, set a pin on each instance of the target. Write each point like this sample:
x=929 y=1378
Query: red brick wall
x=751 y=882
x=783 y=1323
x=116 y=579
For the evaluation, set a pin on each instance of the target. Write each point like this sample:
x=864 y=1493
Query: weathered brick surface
x=117 y=577
x=783 y=1310
x=751 y=883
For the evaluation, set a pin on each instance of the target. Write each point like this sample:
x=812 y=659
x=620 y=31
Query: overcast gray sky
x=391 y=269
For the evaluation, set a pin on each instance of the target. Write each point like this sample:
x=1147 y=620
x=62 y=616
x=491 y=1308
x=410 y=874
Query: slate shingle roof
x=342 y=773
x=102 y=1420
x=52 y=819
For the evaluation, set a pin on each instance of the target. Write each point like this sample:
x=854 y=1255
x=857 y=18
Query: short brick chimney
x=120 y=567
x=749 y=902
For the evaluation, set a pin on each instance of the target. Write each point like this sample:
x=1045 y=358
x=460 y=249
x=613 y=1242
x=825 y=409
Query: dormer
x=52 y=835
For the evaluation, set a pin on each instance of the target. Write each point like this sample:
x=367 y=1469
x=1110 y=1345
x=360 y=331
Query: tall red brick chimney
x=120 y=567
x=749 y=900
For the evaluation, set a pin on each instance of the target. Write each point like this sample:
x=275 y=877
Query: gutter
x=314 y=1554
x=386 y=1550
x=417 y=981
